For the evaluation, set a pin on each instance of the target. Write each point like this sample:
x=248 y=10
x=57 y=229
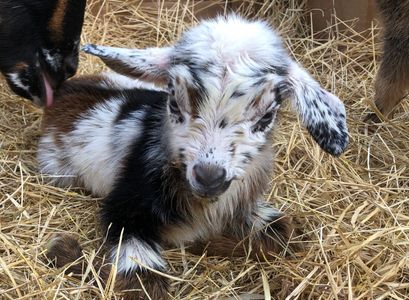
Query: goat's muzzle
x=210 y=180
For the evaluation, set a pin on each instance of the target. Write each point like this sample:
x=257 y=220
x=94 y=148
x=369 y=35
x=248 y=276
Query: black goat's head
x=40 y=43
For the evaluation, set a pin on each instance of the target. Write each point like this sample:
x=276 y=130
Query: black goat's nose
x=210 y=176
x=70 y=67
x=70 y=70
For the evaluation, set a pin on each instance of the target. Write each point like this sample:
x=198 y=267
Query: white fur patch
x=51 y=159
x=54 y=60
x=93 y=152
x=125 y=82
x=14 y=78
x=133 y=251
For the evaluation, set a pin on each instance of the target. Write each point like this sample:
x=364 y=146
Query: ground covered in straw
x=353 y=211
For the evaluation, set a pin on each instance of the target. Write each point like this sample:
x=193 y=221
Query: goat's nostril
x=210 y=176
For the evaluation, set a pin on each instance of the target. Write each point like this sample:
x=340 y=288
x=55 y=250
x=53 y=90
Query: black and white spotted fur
x=39 y=45
x=193 y=162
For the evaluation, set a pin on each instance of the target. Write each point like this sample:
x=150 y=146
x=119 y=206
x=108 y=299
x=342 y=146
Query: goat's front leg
x=140 y=250
x=255 y=230
x=263 y=227
x=133 y=279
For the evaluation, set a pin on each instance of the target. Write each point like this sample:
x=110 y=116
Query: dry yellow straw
x=352 y=211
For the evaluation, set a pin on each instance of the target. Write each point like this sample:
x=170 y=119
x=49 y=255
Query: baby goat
x=39 y=45
x=191 y=163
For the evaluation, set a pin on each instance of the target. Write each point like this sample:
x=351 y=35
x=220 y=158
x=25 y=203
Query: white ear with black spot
x=149 y=64
x=322 y=113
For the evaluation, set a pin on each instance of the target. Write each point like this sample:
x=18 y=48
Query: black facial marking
x=261 y=148
x=173 y=107
x=280 y=70
x=237 y=94
x=259 y=82
x=248 y=156
x=176 y=114
x=232 y=148
x=281 y=92
x=276 y=92
x=223 y=123
x=263 y=123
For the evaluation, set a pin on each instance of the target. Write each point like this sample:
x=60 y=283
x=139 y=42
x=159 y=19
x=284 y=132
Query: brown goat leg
x=263 y=231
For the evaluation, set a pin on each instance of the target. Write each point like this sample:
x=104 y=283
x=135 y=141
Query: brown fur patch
x=123 y=68
x=261 y=243
x=20 y=66
x=55 y=26
x=74 y=98
x=256 y=101
x=65 y=249
x=392 y=79
x=276 y=236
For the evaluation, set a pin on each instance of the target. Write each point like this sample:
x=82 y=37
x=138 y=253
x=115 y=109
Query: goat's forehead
x=226 y=63
x=229 y=41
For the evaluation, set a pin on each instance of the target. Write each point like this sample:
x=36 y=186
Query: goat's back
x=90 y=128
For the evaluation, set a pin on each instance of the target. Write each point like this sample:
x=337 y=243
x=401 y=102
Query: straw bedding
x=352 y=211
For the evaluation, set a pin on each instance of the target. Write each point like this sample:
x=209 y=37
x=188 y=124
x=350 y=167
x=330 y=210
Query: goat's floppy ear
x=149 y=64
x=322 y=113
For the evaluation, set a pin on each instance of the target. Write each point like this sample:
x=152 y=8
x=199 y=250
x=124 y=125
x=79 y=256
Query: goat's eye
x=262 y=124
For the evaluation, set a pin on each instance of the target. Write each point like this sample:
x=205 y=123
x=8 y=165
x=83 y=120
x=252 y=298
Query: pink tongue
x=49 y=94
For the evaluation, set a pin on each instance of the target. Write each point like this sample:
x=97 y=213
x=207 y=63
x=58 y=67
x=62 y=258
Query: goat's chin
x=205 y=199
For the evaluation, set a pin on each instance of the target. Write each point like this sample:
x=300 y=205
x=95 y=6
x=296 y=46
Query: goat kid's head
x=40 y=45
x=227 y=78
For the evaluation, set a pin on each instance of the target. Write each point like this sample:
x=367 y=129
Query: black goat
x=39 y=45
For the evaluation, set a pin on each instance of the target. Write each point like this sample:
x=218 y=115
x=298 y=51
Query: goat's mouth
x=210 y=194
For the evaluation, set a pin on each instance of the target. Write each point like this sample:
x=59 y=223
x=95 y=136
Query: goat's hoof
x=63 y=249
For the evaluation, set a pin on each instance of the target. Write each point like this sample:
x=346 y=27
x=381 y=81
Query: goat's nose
x=70 y=67
x=70 y=70
x=211 y=177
